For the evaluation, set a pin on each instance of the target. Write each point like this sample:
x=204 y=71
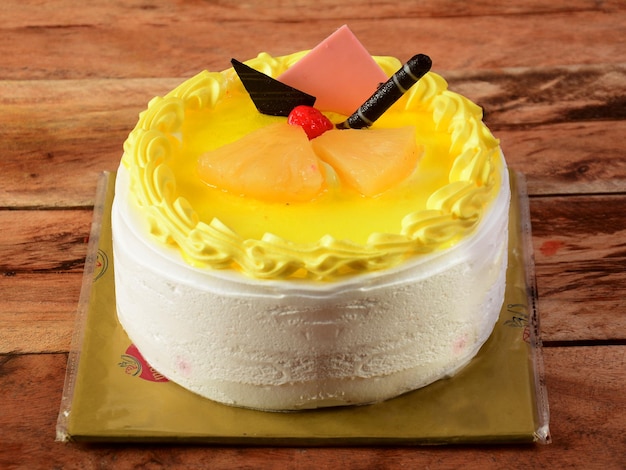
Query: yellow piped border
x=452 y=212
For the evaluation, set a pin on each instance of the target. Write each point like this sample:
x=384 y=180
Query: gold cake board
x=110 y=393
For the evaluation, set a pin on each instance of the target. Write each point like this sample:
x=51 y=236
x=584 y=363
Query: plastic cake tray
x=111 y=394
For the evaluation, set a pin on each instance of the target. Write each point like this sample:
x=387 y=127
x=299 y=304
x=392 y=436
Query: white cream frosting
x=225 y=315
x=287 y=345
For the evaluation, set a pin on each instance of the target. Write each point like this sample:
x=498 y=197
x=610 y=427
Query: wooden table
x=550 y=75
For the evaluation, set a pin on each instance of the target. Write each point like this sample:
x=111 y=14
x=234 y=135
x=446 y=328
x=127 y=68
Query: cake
x=264 y=270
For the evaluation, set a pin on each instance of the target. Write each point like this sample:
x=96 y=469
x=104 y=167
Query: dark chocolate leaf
x=268 y=94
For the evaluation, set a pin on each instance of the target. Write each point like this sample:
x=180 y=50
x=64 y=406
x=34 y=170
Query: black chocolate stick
x=388 y=93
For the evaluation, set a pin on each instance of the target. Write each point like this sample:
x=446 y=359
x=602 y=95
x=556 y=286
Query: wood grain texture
x=586 y=427
x=38 y=311
x=64 y=12
x=570 y=158
x=580 y=253
x=165 y=41
x=57 y=136
x=530 y=96
x=551 y=77
x=44 y=241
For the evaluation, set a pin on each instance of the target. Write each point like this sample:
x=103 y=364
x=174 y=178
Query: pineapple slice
x=370 y=160
x=275 y=163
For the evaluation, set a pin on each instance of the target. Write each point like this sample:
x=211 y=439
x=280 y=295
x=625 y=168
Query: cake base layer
x=278 y=345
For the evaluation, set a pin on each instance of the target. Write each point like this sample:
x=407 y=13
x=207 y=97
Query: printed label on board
x=135 y=365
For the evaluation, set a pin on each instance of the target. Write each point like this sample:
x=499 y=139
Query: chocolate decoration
x=268 y=94
x=388 y=93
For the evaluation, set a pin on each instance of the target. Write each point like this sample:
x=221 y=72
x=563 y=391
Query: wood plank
x=568 y=158
x=76 y=125
x=44 y=241
x=585 y=387
x=64 y=12
x=551 y=76
x=580 y=257
x=177 y=45
x=530 y=96
x=37 y=311
x=80 y=125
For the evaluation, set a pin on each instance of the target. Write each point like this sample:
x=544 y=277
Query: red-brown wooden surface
x=550 y=75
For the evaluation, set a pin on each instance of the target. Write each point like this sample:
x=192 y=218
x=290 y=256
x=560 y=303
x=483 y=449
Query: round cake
x=265 y=270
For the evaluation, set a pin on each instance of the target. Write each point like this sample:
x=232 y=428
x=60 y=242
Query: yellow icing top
x=336 y=234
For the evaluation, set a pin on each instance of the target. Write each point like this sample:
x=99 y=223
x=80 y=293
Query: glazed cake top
x=453 y=178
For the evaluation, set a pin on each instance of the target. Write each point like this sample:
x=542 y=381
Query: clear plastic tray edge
x=542 y=433
x=78 y=335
